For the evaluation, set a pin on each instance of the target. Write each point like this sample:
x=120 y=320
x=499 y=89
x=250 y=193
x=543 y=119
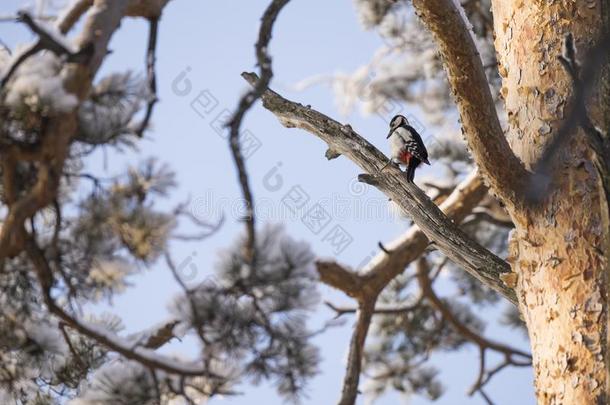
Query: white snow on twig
x=38 y=85
x=147 y=354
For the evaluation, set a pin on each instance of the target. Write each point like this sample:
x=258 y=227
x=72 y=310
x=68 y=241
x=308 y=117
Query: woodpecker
x=406 y=146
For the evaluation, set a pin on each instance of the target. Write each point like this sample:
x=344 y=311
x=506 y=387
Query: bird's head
x=397 y=121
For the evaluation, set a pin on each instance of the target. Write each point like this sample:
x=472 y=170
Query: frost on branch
x=37 y=86
x=38 y=355
x=372 y=12
x=123 y=215
x=408 y=68
x=107 y=116
x=122 y=382
x=257 y=316
x=117 y=229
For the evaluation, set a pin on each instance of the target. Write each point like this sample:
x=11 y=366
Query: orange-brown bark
x=559 y=245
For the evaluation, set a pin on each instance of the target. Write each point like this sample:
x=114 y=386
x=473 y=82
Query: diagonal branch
x=490 y=150
x=144 y=356
x=409 y=246
x=162 y=335
x=46 y=41
x=245 y=103
x=340 y=311
x=405 y=249
x=151 y=75
x=356 y=351
x=365 y=288
x=44 y=37
x=53 y=147
x=453 y=242
x=428 y=293
x=512 y=356
x=72 y=14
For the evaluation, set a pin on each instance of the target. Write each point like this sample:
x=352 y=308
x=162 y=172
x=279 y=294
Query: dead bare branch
x=70 y=16
x=340 y=311
x=151 y=75
x=453 y=242
x=512 y=356
x=409 y=246
x=356 y=349
x=245 y=103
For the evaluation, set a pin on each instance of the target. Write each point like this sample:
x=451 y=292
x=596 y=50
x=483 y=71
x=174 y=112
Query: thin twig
x=6 y=47
x=69 y=17
x=427 y=291
x=484 y=343
x=356 y=351
x=45 y=41
x=197 y=320
x=485 y=216
x=45 y=279
x=75 y=354
x=151 y=75
x=245 y=103
x=340 y=311
x=210 y=228
x=13 y=18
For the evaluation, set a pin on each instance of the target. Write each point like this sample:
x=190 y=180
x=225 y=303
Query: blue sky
x=210 y=43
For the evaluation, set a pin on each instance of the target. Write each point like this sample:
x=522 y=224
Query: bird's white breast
x=397 y=141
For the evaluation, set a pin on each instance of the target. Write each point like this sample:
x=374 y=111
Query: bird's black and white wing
x=413 y=143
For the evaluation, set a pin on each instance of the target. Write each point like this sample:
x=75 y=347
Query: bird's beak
x=389 y=134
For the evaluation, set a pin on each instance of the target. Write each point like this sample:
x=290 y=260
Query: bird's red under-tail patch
x=405 y=157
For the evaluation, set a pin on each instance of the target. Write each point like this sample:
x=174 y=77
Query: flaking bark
x=560 y=244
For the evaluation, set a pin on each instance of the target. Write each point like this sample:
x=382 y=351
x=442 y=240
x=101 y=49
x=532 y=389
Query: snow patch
x=38 y=85
x=109 y=274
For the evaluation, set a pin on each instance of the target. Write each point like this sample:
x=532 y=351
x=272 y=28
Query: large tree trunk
x=559 y=247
